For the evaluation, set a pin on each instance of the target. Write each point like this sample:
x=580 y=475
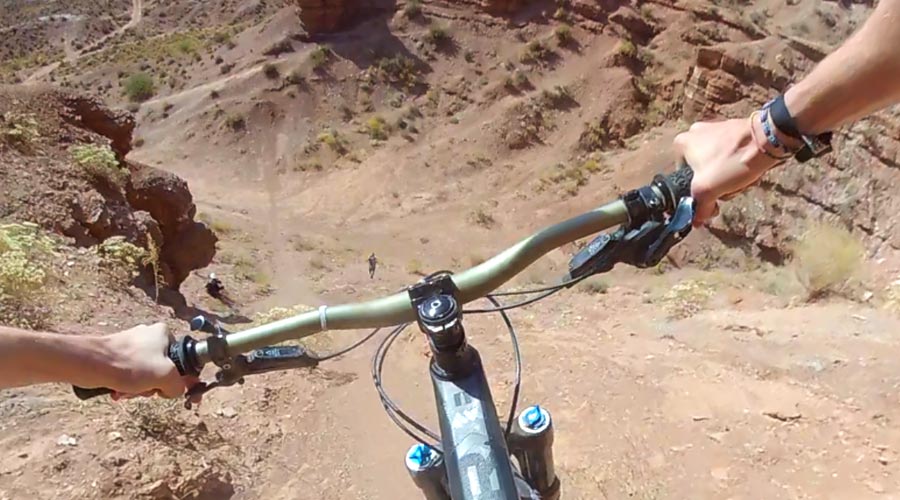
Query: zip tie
x=323 y=321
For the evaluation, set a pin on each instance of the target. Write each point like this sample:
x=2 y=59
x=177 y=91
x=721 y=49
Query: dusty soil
x=656 y=392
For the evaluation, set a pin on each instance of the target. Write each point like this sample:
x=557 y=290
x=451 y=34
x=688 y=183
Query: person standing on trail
x=859 y=78
x=373 y=262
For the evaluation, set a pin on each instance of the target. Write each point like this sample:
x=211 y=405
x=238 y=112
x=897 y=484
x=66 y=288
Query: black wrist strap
x=782 y=118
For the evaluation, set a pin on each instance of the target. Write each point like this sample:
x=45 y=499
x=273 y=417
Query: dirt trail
x=72 y=56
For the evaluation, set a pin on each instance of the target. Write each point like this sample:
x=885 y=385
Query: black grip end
x=85 y=394
x=680 y=181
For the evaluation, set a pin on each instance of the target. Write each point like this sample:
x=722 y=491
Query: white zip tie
x=323 y=321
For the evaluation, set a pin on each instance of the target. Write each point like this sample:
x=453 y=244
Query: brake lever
x=677 y=228
x=642 y=247
x=263 y=360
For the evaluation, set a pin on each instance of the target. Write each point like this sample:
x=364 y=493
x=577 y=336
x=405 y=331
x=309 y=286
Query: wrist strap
x=782 y=118
x=813 y=146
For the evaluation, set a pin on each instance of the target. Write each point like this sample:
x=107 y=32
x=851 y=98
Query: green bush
x=18 y=130
x=139 y=87
x=25 y=264
x=398 y=70
x=378 y=128
x=24 y=249
x=100 y=163
x=334 y=141
x=627 y=49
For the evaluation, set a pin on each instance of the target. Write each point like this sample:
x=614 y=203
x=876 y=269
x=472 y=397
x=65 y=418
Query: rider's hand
x=726 y=160
x=140 y=366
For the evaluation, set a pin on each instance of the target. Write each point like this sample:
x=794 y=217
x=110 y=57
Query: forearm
x=34 y=358
x=859 y=78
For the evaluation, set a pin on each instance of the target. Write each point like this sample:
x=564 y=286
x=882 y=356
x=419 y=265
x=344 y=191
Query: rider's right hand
x=726 y=160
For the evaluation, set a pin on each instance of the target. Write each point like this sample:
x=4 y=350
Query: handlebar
x=634 y=208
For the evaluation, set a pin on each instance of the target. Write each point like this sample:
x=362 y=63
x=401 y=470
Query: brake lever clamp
x=641 y=247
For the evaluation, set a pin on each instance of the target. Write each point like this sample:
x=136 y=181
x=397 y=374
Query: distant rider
x=373 y=262
x=214 y=287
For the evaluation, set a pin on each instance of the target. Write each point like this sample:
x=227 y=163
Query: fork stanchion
x=426 y=467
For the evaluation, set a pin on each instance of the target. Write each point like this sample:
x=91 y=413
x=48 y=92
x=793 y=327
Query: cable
x=514 y=305
x=517 y=356
x=393 y=411
x=536 y=290
x=351 y=347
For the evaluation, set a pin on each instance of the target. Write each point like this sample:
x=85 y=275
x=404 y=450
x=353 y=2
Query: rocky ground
x=279 y=143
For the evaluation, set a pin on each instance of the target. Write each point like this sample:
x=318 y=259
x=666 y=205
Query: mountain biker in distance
x=859 y=78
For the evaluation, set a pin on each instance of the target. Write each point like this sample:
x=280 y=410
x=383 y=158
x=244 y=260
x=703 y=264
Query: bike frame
x=475 y=449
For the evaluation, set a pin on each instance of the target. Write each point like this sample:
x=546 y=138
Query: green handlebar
x=473 y=283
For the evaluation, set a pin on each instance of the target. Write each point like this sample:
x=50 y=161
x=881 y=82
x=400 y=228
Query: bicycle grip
x=680 y=180
x=180 y=353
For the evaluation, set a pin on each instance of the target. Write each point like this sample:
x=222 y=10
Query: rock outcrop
x=329 y=16
x=186 y=243
x=733 y=73
x=91 y=114
x=44 y=185
x=502 y=7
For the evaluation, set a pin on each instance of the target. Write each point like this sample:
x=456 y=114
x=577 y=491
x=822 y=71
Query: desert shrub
x=536 y=50
x=99 y=162
x=121 y=260
x=221 y=37
x=139 y=87
x=594 y=137
x=563 y=34
x=271 y=71
x=235 y=122
x=627 y=49
x=437 y=34
x=334 y=141
x=25 y=265
x=571 y=177
x=559 y=95
x=483 y=218
x=687 y=298
x=19 y=130
x=827 y=258
x=412 y=8
x=377 y=128
x=414 y=266
x=296 y=77
x=594 y=285
x=319 y=57
x=398 y=70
